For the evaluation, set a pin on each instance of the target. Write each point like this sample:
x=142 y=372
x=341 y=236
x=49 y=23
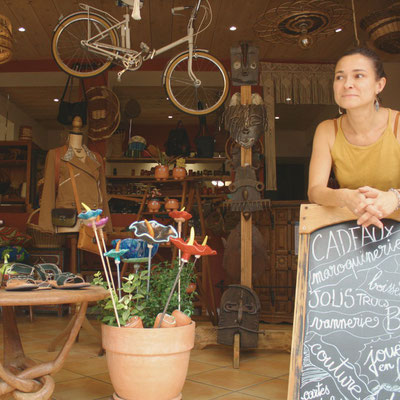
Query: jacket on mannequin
x=90 y=182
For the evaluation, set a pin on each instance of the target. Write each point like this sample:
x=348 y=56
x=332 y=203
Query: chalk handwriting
x=352 y=315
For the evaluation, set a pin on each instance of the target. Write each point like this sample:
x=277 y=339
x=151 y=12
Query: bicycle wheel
x=181 y=90
x=68 y=52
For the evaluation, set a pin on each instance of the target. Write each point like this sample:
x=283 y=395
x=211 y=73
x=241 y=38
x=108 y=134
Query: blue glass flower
x=113 y=253
x=90 y=214
x=153 y=232
x=137 y=249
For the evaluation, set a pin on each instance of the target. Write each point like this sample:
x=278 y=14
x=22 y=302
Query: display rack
x=19 y=166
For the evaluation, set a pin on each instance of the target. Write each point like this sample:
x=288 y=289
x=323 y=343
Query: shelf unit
x=123 y=182
x=18 y=174
x=124 y=165
x=144 y=160
x=151 y=178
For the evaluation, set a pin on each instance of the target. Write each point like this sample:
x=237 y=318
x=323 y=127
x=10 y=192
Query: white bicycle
x=88 y=42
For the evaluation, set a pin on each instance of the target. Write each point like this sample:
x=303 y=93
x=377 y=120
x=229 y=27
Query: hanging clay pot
x=171 y=205
x=134 y=322
x=167 y=322
x=179 y=173
x=161 y=172
x=191 y=288
x=150 y=363
x=153 y=205
x=181 y=318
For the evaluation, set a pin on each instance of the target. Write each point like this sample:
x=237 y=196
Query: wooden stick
x=105 y=271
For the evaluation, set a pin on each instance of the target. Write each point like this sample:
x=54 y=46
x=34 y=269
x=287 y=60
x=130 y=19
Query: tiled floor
x=262 y=374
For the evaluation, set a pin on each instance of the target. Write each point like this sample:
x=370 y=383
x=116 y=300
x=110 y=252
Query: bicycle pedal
x=144 y=47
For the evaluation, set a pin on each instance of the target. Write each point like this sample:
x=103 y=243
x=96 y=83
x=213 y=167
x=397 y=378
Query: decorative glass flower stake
x=89 y=218
x=138 y=252
x=152 y=232
x=180 y=217
x=116 y=255
x=189 y=248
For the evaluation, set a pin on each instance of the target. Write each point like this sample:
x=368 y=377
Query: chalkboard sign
x=346 y=336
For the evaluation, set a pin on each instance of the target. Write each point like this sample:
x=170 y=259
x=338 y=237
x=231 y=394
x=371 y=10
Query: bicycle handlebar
x=175 y=9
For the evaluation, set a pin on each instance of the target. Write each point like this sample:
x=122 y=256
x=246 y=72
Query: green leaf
x=126 y=314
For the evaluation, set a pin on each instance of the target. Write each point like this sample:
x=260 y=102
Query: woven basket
x=383 y=28
x=42 y=240
x=5 y=39
x=103 y=112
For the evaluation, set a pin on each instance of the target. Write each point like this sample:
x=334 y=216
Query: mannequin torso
x=75 y=139
x=89 y=176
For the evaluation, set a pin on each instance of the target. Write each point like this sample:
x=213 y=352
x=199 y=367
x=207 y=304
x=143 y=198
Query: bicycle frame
x=123 y=28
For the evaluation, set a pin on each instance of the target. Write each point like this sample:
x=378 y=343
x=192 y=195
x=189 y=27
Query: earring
x=376 y=104
x=340 y=111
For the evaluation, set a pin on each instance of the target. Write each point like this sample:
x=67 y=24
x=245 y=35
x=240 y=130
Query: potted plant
x=144 y=361
x=179 y=171
x=161 y=171
x=149 y=363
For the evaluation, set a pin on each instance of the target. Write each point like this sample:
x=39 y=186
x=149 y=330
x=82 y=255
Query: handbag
x=68 y=110
x=86 y=237
x=63 y=217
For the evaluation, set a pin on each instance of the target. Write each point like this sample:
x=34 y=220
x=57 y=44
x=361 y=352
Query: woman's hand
x=362 y=207
x=356 y=201
x=383 y=204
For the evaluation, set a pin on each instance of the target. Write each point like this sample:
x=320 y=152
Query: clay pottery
x=134 y=322
x=191 y=288
x=181 y=318
x=148 y=364
x=153 y=205
x=167 y=322
x=171 y=205
x=161 y=172
x=179 y=173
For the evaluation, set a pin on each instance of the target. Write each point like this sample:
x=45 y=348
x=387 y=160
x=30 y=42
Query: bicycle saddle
x=129 y=3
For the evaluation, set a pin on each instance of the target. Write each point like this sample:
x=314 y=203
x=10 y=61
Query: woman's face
x=356 y=83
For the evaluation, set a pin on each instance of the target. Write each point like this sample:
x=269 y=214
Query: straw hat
x=25 y=133
x=103 y=112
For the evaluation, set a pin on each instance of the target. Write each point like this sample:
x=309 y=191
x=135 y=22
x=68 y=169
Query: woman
x=362 y=146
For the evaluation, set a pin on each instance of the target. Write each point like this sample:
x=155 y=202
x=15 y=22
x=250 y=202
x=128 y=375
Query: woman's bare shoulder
x=326 y=126
x=326 y=130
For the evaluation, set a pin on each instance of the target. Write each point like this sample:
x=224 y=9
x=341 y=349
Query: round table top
x=53 y=296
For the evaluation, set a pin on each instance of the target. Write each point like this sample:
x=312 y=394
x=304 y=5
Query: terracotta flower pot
x=171 y=205
x=161 y=172
x=148 y=364
x=179 y=173
x=153 y=205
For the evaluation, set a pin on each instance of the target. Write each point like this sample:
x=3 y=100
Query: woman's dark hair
x=366 y=52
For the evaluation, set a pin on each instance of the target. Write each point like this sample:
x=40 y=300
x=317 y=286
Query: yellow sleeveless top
x=376 y=165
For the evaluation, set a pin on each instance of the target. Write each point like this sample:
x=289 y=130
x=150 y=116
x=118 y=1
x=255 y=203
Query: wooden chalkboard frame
x=312 y=218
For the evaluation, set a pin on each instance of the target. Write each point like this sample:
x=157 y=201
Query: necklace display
x=79 y=153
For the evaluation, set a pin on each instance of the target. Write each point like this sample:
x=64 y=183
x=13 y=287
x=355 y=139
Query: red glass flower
x=180 y=216
x=192 y=248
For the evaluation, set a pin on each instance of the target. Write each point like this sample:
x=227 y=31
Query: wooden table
x=21 y=376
